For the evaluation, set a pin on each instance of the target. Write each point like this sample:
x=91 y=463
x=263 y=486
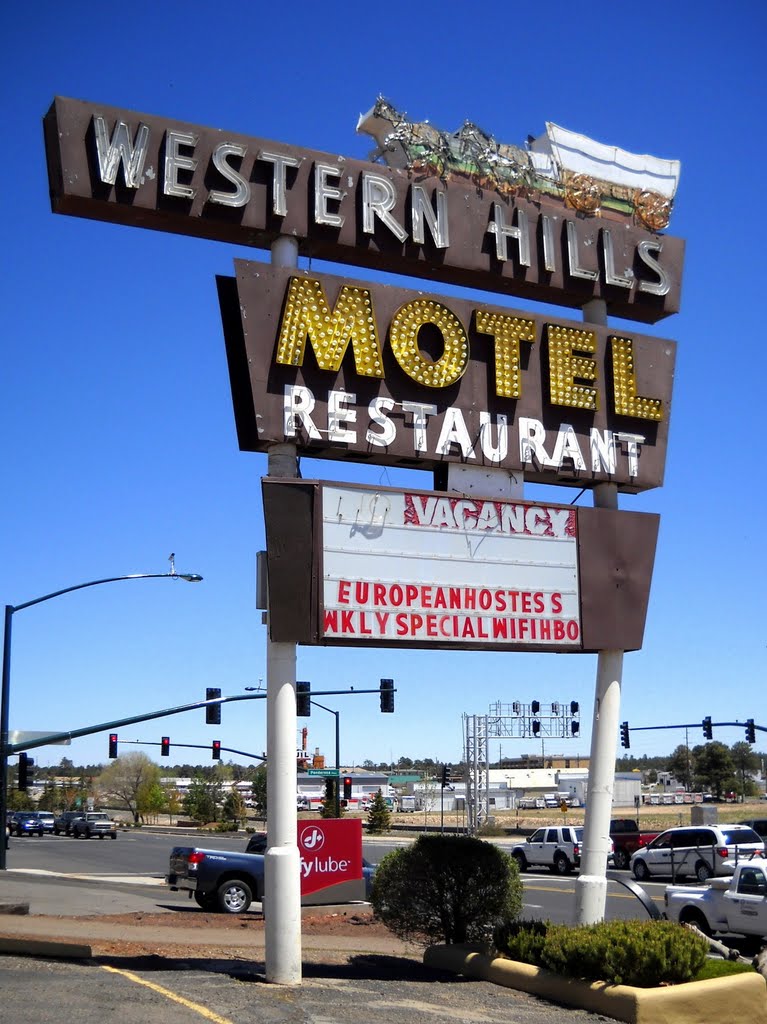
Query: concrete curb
x=40 y=947
x=740 y=997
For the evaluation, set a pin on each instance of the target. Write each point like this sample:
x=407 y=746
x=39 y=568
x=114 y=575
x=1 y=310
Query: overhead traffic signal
x=535 y=707
x=750 y=731
x=575 y=728
x=113 y=744
x=707 y=733
x=387 y=696
x=165 y=746
x=216 y=750
x=536 y=727
x=625 y=738
x=445 y=775
x=303 y=699
x=574 y=707
x=347 y=787
x=26 y=772
x=212 y=711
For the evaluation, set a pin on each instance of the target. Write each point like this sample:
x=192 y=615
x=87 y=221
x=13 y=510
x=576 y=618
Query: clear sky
x=119 y=441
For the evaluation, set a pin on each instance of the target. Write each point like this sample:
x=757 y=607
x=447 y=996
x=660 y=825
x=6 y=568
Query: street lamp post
x=5 y=691
x=338 y=753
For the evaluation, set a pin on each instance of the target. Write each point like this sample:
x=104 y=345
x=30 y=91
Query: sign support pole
x=591 y=883
x=282 y=882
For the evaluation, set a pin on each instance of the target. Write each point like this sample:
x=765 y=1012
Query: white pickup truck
x=735 y=904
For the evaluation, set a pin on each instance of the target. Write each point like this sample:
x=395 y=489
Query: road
x=137 y=860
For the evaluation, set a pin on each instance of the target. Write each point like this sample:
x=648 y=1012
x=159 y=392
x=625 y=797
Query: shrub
x=446 y=888
x=226 y=826
x=379 y=816
x=639 y=953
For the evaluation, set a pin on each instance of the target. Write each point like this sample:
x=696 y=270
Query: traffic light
x=707 y=733
x=347 y=787
x=535 y=707
x=750 y=732
x=445 y=775
x=26 y=772
x=536 y=727
x=625 y=738
x=575 y=728
x=212 y=711
x=165 y=746
x=387 y=696
x=113 y=744
x=574 y=707
x=216 y=750
x=303 y=699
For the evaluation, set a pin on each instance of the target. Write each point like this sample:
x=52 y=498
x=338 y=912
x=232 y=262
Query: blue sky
x=119 y=440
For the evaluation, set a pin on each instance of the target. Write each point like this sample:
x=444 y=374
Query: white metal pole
x=591 y=884
x=282 y=882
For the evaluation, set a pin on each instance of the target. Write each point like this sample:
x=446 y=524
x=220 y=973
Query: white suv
x=558 y=849
x=699 y=850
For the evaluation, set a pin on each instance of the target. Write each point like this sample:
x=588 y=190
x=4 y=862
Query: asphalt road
x=127 y=874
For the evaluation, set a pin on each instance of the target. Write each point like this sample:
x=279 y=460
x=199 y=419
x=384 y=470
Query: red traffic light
x=165 y=746
x=216 y=750
x=347 y=787
x=113 y=744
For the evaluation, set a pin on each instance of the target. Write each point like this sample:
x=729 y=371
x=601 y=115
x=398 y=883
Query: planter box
x=740 y=997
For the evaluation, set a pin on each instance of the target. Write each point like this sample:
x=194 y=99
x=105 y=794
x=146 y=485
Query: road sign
x=326 y=773
x=25 y=736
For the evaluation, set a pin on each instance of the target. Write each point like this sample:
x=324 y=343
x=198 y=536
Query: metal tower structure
x=477 y=763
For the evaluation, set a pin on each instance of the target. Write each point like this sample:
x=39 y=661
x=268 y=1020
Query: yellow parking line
x=202 y=1010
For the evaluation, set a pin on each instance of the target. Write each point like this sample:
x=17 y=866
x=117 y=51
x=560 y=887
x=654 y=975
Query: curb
x=742 y=996
x=41 y=947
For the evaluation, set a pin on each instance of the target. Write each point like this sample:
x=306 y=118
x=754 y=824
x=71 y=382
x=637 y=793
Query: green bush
x=226 y=826
x=640 y=953
x=446 y=889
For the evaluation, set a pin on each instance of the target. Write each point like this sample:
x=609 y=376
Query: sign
x=154 y=172
x=384 y=567
x=347 y=369
x=331 y=854
x=325 y=773
x=398 y=565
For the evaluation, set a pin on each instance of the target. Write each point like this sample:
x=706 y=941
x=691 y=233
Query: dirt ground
x=346 y=924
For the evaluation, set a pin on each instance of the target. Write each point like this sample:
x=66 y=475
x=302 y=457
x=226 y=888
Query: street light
x=10 y=610
x=338 y=753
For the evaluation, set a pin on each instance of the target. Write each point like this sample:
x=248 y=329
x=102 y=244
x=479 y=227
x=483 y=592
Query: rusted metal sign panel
x=346 y=369
x=138 y=169
x=428 y=569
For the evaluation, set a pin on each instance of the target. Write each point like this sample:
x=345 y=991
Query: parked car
x=700 y=850
x=94 y=823
x=25 y=823
x=64 y=822
x=47 y=818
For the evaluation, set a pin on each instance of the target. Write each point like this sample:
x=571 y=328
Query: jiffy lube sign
x=331 y=853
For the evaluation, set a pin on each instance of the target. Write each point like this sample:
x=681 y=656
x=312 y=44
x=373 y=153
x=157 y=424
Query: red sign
x=331 y=852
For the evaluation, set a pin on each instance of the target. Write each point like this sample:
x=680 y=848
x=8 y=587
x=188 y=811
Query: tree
x=744 y=762
x=49 y=798
x=150 y=800
x=446 y=888
x=234 y=807
x=714 y=767
x=258 y=790
x=199 y=802
x=328 y=805
x=680 y=764
x=379 y=815
x=124 y=779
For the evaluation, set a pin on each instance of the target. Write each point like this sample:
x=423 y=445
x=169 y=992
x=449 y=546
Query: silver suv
x=699 y=850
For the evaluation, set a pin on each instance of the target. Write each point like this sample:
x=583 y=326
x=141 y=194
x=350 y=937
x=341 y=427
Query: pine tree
x=379 y=816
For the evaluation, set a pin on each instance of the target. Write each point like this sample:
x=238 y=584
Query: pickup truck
x=225 y=881
x=627 y=838
x=735 y=904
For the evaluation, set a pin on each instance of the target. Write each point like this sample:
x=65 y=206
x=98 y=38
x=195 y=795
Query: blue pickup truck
x=227 y=882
